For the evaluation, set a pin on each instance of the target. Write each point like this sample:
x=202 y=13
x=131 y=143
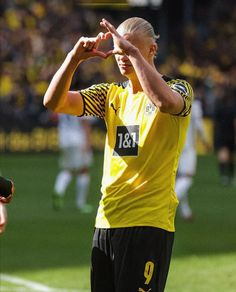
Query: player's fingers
x=107 y=35
x=97 y=53
x=98 y=38
x=81 y=44
x=118 y=51
x=94 y=42
x=86 y=43
x=91 y=46
x=106 y=24
x=109 y=53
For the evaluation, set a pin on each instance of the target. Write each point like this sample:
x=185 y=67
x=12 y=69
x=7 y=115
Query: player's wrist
x=74 y=57
x=132 y=51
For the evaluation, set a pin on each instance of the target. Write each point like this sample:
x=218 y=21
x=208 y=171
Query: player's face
x=143 y=44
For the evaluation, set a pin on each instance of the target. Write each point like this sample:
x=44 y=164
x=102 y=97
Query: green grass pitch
x=52 y=249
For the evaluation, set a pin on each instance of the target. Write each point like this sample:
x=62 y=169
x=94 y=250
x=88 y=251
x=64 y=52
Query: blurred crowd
x=36 y=35
x=206 y=54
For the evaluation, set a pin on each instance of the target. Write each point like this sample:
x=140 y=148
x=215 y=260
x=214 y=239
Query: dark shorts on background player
x=132 y=259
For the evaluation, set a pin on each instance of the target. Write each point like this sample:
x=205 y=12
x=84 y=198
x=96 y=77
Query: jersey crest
x=150 y=108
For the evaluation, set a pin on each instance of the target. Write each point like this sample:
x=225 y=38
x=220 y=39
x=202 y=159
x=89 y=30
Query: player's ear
x=153 y=49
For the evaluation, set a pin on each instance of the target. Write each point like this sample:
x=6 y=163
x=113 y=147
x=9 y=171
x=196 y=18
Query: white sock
x=82 y=185
x=182 y=186
x=62 y=181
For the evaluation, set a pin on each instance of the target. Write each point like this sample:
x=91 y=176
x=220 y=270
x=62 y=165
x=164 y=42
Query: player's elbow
x=163 y=107
x=172 y=106
x=166 y=103
x=46 y=102
x=167 y=107
x=49 y=103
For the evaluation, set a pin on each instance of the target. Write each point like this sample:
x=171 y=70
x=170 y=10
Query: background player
x=188 y=160
x=75 y=160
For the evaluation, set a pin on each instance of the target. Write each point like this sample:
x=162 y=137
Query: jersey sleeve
x=94 y=98
x=186 y=91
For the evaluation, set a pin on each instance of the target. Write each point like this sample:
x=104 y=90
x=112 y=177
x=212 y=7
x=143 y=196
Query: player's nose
x=123 y=58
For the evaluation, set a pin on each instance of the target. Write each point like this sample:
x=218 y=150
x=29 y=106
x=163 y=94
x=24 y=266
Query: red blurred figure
x=6 y=194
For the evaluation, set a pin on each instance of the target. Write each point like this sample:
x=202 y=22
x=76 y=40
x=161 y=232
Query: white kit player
x=188 y=160
x=75 y=160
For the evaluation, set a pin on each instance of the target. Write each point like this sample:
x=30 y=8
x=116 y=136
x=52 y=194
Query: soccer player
x=75 y=160
x=6 y=194
x=188 y=160
x=146 y=119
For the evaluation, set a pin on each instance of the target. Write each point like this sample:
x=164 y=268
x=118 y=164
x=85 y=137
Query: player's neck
x=134 y=86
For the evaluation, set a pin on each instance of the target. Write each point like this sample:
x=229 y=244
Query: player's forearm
x=57 y=91
x=153 y=84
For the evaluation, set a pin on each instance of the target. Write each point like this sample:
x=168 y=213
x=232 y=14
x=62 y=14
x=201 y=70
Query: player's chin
x=126 y=70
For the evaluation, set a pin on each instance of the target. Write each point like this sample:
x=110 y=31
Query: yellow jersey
x=142 y=151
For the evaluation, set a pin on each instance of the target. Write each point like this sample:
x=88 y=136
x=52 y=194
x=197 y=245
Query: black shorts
x=132 y=259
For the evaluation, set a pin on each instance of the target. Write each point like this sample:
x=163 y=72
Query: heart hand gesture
x=87 y=47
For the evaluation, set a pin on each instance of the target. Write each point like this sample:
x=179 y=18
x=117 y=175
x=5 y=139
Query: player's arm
x=58 y=96
x=166 y=99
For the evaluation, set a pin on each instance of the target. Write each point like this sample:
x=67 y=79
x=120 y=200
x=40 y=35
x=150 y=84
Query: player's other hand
x=87 y=47
x=7 y=190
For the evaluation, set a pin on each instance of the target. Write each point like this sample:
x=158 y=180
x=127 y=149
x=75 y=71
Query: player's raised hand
x=121 y=45
x=87 y=47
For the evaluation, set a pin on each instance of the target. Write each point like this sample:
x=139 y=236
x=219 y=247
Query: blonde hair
x=137 y=24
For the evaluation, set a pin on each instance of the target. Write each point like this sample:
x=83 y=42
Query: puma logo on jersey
x=115 y=109
x=142 y=290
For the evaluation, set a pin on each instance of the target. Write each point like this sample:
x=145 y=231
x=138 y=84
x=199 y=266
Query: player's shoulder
x=99 y=86
x=105 y=87
x=185 y=90
x=180 y=85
